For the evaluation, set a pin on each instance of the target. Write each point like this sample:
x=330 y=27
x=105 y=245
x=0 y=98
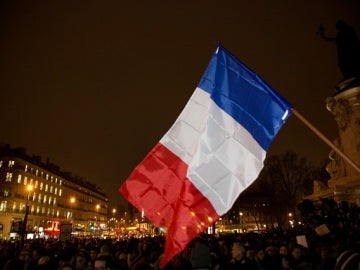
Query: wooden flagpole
x=326 y=140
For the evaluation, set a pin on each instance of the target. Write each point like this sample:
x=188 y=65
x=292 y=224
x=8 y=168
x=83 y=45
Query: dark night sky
x=93 y=85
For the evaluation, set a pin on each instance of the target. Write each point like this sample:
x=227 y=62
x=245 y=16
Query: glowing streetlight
x=72 y=202
x=29 y=188
x=291 y=221
x=113 y=212
x=97 y=207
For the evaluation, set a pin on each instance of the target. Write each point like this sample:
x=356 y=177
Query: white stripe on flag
x=223 y=159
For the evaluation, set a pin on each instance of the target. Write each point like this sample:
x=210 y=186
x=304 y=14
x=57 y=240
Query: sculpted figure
x=348 y=48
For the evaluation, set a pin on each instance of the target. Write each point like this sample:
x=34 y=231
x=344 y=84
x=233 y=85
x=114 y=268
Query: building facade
x=50 y=198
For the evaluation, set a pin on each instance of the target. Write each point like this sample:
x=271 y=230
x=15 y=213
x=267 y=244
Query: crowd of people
x=301 y=247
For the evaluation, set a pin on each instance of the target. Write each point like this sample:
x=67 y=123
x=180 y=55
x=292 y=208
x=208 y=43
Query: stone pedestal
x=344 y=184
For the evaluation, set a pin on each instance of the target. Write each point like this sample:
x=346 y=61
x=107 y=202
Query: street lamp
x=113 y=212
x=97 y=207
x=29 y=188
x=96 y=219
x=240 y=220
x=72 y=202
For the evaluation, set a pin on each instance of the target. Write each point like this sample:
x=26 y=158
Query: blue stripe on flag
x=245 y=96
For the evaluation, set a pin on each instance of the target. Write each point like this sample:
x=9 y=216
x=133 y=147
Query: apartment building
x=48 y=196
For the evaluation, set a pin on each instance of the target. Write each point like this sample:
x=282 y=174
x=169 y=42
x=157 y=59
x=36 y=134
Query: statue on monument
x=348 y=48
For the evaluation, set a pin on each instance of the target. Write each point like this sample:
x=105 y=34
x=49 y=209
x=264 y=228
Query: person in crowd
x=283 y=250
x=260 y=259
x=239 y=260
x=297 y=258
x=66 y=266
x=251 y=256
x=45 y=263
x=122 y=261
x=22 y=262
x=285 y=263
x=104 y=262
x=35 y=256
x=200 y=257
x=25 y=257
x=327 y=260
x=144 y=259
x=272 y=256
x=81 y=261
x=92 y=257
x=14 y=264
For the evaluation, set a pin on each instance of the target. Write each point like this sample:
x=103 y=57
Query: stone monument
x=344 y=183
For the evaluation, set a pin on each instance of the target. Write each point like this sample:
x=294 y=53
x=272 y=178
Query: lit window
x=26 y=168
x=55 y=180
x=6 y=193
x=43 y=210
x=25 y=180
x=1 y=163
x=48 y=211
x=42 y=174
x=55 y=191
x=3 y=206
x=8 y=177
x=46 y=187
x=39 y=198
x=41 y=186
x=60 y=192
x=51 y=189
x=37 y=209
x=54 y=202
x=53 y=212
x=52 y=178
x=36 y=184
x=31 y=181
x=50 y=199
x=32 y=208
x=14 y=206
x=57 y=213
x=11 y=163
x=36 y=172
x=60 y=182
x=34 y=196
x=45 y=197
x=47 y=176
x=19 y=179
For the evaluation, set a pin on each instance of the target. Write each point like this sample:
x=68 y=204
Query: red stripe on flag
x=159 y=186
x=155 y=185
x=193 y=215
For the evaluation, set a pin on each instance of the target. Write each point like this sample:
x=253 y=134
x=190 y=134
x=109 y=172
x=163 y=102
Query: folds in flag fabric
x=213 y=151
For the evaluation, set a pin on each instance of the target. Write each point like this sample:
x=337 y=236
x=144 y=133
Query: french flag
x=213 y=152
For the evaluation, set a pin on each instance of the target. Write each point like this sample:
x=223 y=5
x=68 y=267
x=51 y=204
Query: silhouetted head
x=340 y=24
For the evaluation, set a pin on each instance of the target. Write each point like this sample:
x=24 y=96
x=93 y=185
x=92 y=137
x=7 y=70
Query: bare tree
x=285 y=180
